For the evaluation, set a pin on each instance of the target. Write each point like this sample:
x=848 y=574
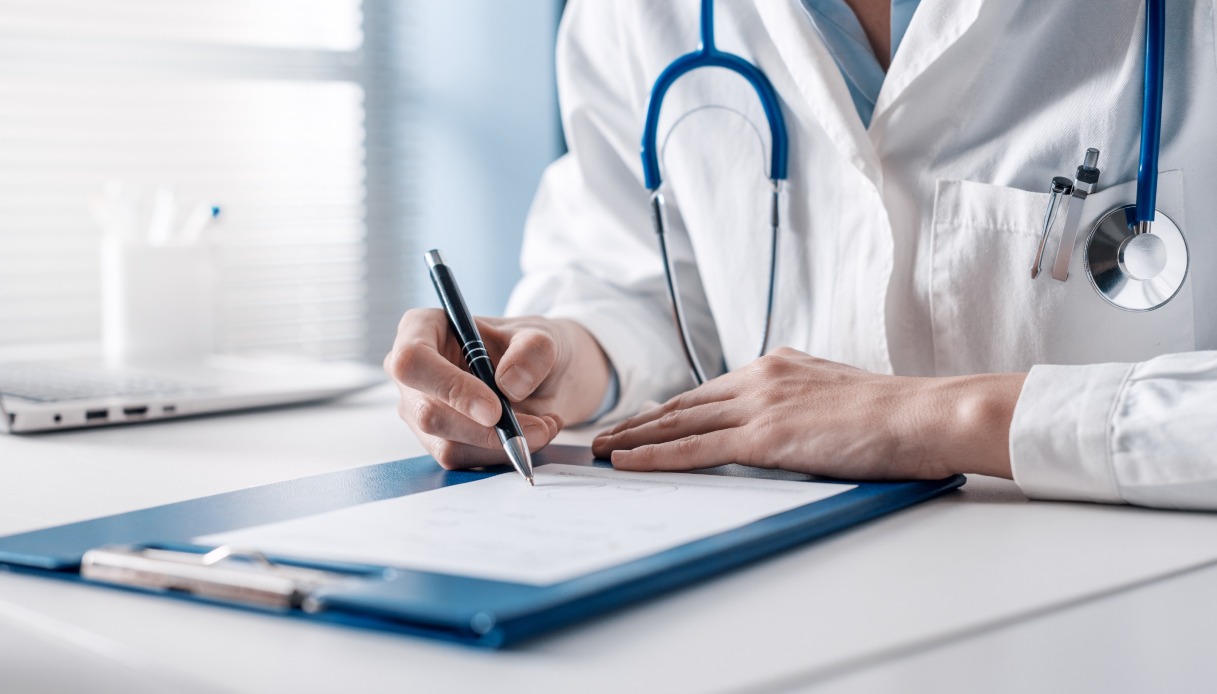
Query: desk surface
x=977 y=570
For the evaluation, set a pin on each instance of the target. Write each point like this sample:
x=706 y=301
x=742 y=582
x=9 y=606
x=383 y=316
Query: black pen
x=478 y=359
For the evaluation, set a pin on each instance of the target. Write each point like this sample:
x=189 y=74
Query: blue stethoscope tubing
x=1151 y=114
x=708 y=55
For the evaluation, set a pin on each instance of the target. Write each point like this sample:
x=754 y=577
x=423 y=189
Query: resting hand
x=551 y=370
x=796 y=412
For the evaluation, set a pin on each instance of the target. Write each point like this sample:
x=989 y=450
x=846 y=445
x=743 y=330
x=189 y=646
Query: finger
x=674 y=425
x=717 y=390
x=689 y=453
x=432 y=417
x=418 y=366
x=538 y=430
x=528 y=361
x=426 y=325
x=456 y=455
x=453 y=455
x=496 y=335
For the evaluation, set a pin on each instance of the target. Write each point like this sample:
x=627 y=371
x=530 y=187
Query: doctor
x=907 y=338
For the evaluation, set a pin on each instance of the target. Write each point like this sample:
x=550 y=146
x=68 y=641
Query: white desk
x=882 y=601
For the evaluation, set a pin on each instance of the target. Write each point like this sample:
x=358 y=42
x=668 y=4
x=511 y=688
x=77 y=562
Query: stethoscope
x=1136 y=257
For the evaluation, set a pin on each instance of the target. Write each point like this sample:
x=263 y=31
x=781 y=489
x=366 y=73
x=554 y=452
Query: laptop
x=73 y=393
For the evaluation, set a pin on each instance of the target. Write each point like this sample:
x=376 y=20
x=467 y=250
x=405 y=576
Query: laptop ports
x=95 y=415
x=138 y=411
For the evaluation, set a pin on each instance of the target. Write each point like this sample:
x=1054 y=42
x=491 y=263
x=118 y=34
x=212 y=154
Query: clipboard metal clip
x=226 y=574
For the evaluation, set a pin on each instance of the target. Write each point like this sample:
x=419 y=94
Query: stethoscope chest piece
x=1136 y=271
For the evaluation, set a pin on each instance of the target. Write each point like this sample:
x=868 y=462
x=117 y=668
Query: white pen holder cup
x=156 y=301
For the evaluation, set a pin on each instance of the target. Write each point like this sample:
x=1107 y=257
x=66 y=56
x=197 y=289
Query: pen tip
x=531 y=482
x=517 y=453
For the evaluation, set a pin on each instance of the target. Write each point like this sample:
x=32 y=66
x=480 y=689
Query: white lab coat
x=905 y=247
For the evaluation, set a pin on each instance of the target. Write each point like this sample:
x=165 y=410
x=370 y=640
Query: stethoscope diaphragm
x=1136 y=271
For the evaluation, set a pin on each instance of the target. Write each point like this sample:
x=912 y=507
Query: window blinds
x=284 y=112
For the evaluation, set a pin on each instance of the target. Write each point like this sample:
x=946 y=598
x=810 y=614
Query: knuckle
x=428 y=416
x=686 y=446
x=445 y=453
x=407 y=360
x=416 y=316
x=455 y=392
x=534 y=351
x=670 y=420
x=673 y=405
x=765 y=366
x=539 y=345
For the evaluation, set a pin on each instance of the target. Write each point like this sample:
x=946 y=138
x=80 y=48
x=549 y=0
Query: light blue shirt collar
x=846 y=41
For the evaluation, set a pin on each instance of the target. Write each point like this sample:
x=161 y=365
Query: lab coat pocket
x=988 y=315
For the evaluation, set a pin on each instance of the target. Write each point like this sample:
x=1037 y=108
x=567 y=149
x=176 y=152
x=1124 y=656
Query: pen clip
x=1061 y=188
x=1083 y=186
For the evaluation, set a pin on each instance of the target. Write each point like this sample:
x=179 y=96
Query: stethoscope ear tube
x=658 y=210
x=1151 y=116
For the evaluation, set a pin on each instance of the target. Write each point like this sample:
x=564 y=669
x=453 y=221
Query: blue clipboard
x=468 y=610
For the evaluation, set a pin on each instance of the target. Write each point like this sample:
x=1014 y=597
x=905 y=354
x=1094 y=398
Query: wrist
x=585 y=375
x=972 y=431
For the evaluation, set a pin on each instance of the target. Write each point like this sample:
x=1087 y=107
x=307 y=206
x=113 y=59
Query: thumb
x=527 y=362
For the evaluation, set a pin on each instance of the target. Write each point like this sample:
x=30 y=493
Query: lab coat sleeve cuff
x=1060 y=434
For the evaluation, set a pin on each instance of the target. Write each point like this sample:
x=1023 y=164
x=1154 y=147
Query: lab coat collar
x=818 y=80
x=937 y=25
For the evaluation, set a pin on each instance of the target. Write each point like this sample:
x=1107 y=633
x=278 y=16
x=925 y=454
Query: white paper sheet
x=575 y=521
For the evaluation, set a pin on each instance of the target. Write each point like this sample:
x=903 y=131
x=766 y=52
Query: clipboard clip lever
x=225 y=574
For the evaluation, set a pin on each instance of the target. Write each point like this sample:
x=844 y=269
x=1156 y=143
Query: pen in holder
x=157 y=288
x=1060 y=191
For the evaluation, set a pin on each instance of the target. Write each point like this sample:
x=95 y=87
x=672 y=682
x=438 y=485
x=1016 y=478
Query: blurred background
x=341 y=138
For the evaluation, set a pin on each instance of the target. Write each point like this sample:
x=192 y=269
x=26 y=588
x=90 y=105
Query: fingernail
x=514 y=381
x=482 y=412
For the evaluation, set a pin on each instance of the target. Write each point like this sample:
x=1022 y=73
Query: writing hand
x=551 y=370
